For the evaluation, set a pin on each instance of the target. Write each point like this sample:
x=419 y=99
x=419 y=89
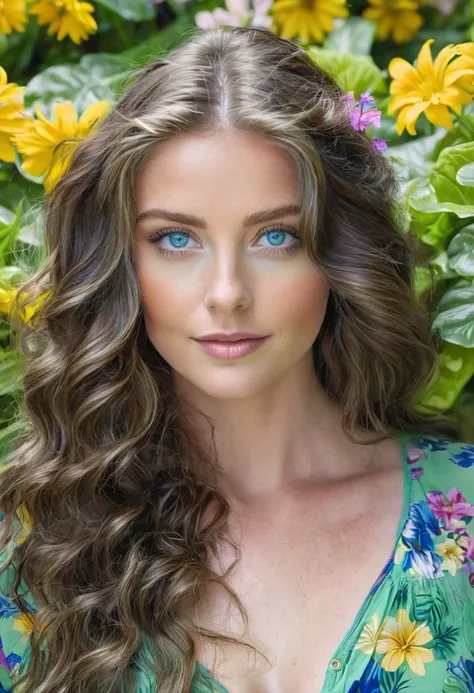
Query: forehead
x=216 y=172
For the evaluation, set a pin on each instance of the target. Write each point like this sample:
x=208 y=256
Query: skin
x=293 y=476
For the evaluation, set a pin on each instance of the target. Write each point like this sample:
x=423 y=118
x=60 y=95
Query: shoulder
x=15 y=626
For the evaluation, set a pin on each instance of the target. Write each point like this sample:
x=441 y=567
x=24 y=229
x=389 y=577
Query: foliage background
x=80 y=55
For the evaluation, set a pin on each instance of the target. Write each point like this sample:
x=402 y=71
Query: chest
x=302 y=580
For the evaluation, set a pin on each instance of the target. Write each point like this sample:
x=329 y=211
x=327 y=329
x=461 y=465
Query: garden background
x=407 y=67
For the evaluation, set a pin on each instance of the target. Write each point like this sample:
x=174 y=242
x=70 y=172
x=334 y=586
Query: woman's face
x=219 y=269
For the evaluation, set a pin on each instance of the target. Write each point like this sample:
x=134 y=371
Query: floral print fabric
x=415 y=630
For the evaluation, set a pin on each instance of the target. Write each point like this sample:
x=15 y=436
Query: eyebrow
x=199 y=222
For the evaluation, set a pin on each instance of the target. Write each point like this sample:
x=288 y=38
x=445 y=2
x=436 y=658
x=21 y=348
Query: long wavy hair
x=126 y=509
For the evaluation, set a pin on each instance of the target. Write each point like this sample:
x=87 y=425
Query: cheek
x=300 y=305
x=165 y=303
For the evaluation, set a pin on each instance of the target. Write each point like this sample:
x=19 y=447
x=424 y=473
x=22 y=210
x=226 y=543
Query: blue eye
x=178 y=240
x=276 y=238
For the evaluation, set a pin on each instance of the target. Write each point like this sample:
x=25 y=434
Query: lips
x=230 y=349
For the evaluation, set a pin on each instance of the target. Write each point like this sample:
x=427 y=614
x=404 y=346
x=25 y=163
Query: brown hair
x=115 y=486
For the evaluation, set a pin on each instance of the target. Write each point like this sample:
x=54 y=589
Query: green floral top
x=415 y=629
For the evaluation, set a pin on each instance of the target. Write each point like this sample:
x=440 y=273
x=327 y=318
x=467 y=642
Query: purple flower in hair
x=361 y=120
x=378 y=144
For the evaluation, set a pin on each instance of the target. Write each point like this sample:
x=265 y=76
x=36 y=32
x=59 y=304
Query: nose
x=228 y=286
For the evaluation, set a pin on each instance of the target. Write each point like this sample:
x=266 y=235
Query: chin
x=226 y=386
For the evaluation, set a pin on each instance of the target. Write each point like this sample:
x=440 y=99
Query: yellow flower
x=6 y=299
x=13 y=16
x=398 y=19
x=309 y=20
x=428 y=88
x=39 y=143
x=11 y=119
x=466 y=61
x=402 y=641
x=370 y=635
x=453 y=555
x=66 y=18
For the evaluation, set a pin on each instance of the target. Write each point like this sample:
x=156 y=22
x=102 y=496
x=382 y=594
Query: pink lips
x=231 y=349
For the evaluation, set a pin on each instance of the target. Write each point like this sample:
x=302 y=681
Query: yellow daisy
x=402 y=641
x=398 y=19
x=39 y=143
x=309 y=20
x=13 y=16
x=12 y=117
x=428 y=88
x=66 y=18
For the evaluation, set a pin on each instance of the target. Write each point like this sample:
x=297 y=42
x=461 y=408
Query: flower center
x=435 y=99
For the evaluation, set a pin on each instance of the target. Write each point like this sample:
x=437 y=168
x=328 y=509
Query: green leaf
x=444 y=180
x=455 y=315
x=455 y=369
x=136 y=11
x=415 y=158
x=76 y=83
x=465 y=175
x=461 y=252
x=444 y=641
x=357 y=73
x=10 y=372
x=356 y=35
x=8 y=236
x=160 y=42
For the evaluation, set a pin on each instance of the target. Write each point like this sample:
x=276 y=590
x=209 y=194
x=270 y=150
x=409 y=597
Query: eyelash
x=275 y=251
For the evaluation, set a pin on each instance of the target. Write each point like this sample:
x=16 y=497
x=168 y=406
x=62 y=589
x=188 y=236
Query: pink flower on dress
x=450 y=508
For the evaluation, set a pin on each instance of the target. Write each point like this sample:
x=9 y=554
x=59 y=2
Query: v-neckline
x=403 y=442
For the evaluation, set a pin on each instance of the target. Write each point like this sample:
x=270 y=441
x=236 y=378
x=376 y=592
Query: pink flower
x=237 y=13
x=450 y=508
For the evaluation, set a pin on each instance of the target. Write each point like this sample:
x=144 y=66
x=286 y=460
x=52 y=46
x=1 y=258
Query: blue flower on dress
x=416 y=548
x=465 y=458
x=369 y=681
x=433 y=443
x=462 y=676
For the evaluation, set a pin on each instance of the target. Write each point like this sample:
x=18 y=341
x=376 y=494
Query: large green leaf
x=136 y=11
x=461 y=252
x=357 y=73
x=447 y=187
x=356 y=35
x=415 y=158
x=10 y=372
x=82 y=84
x=465 y=175
x=455 y=315
x=455 y=369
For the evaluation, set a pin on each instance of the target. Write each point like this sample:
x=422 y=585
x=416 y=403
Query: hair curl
x=115 y=484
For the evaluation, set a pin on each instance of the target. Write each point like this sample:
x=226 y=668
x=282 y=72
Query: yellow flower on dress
x=39 y=143
x=309 y=20
x=428 y=88
x=398 y=19
x=402 y=641
x=12 y=119
x=66 y=18
x=13 y=16
x=370 y=635
x=453 y=555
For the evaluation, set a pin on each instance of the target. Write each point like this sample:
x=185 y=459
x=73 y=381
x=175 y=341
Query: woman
x=221 y=446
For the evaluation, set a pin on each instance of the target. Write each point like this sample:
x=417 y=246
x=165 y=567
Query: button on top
x=336 y=664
